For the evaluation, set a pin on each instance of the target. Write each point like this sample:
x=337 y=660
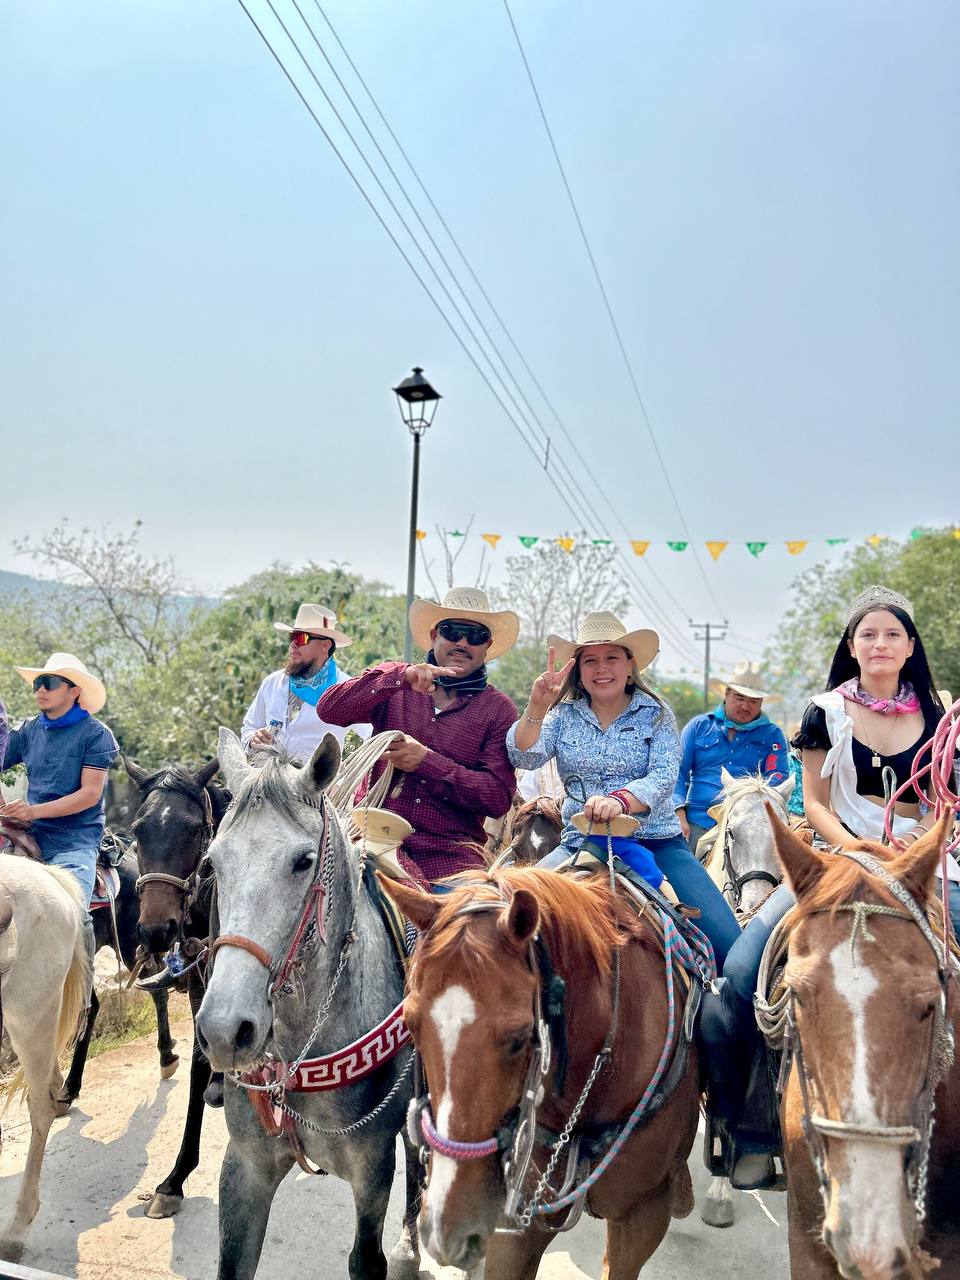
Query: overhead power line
x=628 y=364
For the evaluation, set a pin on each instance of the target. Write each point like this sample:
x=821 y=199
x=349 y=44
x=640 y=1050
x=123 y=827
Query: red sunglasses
x=302 y=638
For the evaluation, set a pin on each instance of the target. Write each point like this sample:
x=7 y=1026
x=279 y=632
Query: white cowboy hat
x=603 y=627
x=319 y=621
x=472 y=605
x=92 y=693
x=746 y=678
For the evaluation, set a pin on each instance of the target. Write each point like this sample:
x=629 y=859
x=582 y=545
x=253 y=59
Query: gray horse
x=266 y=856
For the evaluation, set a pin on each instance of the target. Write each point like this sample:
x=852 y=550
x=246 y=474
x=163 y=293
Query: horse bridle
x=918 y=1137
x=736 y=883
x=186 y=886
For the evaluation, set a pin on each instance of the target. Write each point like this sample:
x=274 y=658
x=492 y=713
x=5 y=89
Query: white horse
x=44 y=980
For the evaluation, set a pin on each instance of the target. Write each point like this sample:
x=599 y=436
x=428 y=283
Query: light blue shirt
x=640 y=752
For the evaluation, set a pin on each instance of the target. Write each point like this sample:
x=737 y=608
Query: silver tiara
x=877 y=597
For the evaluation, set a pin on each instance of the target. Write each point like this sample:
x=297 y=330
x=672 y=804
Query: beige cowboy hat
x=472 y=605
x=92 y=693
x=319 y=621
x=603 y=627
x=746 y=678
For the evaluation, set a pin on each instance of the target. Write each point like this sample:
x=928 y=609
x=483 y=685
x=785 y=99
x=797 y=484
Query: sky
x=201 y=318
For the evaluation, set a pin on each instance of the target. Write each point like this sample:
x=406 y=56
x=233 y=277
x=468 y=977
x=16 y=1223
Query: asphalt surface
x=121 y=1140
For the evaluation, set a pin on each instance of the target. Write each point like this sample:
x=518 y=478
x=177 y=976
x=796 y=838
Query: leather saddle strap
x=244 y=944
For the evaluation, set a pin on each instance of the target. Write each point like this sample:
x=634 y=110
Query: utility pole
x=707 y=632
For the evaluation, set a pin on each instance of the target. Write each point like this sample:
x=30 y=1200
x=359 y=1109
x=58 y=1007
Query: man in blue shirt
x=67 y=754
x=736 y=736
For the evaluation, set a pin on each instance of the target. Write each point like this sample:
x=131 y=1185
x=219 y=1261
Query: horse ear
x=785 y=788
x=522 y=919
x=420 y=908
x=916 y=866
x=134 y=772
x=206 y=775
x=233 y=760
x=726 y=777
x=321 y=769
x=803 y=867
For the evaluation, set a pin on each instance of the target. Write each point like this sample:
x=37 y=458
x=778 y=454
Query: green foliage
x=515 y=672
x=684 y=697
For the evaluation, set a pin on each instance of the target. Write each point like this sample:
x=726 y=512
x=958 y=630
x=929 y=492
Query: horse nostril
x=246 y=1037
x=474 y=1244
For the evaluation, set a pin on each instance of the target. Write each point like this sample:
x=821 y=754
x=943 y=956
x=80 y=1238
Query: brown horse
x=498 y=957
x=871 y=1022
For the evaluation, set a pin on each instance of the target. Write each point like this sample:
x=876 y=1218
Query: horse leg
x=717 y=1209
x=514 y=1257
x=168 y=1196
x=633 y=1239
x=42 y=1077
x=169 y=1061
x=249 y=1177
x=404 y=1262
x=371 y=1179
x=70 y=1090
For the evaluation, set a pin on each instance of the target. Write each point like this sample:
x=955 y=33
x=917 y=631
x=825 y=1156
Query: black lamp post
x=418 y=404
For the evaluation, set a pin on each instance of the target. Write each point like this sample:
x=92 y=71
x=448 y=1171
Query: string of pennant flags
x=640 y=547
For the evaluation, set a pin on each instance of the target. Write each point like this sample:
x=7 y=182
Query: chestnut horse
x=501 y=958
x=871 y=1016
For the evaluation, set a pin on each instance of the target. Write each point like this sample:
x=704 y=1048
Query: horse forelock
x=746 y=785
x=844 y=882
x=269 y=786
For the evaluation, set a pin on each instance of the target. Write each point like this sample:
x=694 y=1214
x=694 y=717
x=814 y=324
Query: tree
x=551 y=589
x=683 y=697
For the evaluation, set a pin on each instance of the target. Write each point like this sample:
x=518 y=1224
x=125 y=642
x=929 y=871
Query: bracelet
x=622 y=795
x=532 y=719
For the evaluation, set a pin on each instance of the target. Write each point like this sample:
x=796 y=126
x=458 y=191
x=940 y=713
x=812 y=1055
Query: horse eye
x=517 y=1043
x=303 y=863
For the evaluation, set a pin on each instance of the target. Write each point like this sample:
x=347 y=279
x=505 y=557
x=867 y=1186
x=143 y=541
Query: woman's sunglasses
x=473 y=632
x=302 y=638
x=51 y=682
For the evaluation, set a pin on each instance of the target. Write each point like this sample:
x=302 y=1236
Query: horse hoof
x=11 y=1250
x=717 y=1213
x=62 y=1105
x=168 y=1068
x=163 y=1206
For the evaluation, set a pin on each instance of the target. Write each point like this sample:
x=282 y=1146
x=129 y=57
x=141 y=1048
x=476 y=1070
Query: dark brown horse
x=499 y=957
x=874 y=1017
x=528 y=833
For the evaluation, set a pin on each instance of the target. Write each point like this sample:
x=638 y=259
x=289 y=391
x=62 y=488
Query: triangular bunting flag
x=640 y=547
x=566 y=543
x=457 y=533
x=956 y=533
x=492 y=539
x=716 y=549
x=528 y=541
x=918 y=533
x=601 y=542
x=421 y=534
x=796 y=547
x=835 y=542
x=678 y=546
x=874 y=539
x=755 y=547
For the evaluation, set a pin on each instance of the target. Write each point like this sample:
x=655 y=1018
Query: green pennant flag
x=528 y=541
x=918 y=533
x=755 y=547
x=457 y=533
x=835 y=542
x=678 y=546
x=601 y=542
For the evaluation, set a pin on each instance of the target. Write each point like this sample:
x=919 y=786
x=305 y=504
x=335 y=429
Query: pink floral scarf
x=904 y=703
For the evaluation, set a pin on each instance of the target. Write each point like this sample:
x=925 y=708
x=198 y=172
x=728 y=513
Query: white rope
x=354 y=770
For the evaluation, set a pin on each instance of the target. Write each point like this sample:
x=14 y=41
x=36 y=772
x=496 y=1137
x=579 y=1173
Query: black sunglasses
x=472 y=632
x=51 y=683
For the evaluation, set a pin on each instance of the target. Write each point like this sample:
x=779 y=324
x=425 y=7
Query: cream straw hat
x=603 y=627
x=92 y=693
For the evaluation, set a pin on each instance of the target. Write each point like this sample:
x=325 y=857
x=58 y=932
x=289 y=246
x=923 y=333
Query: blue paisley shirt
x=640 y=751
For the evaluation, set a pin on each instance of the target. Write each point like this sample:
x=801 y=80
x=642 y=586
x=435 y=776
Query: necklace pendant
x=875 y=760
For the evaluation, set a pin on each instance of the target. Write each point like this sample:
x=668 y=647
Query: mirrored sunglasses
x=303 y=638
x=51 y=682
x=473 y=632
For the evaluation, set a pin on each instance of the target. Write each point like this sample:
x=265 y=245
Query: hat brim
x=504 y=627
x=323 y=633
x=644 y=645
x=744 y=690
x=92 y=693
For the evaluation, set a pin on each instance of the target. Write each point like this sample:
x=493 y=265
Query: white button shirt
x=301 y=735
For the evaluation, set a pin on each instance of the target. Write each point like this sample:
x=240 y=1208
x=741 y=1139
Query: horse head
x=743 y=861
x=871 y=1041
x=177 y=813
x=280 y=855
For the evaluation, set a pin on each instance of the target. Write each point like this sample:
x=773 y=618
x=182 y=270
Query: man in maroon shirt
x=450 y=748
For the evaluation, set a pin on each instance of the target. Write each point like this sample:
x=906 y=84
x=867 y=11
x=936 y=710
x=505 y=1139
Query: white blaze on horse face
x=450 y=1013
x=868 y=1202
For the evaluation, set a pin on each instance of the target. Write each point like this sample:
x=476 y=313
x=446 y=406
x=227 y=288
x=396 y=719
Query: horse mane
x=747 y=784
x=179 y=779
x=542 y=805
x=268 y=784
x=845 y=881
x=580 y=922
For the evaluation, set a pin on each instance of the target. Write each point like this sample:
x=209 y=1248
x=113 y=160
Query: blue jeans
x=692 y=886
x=80 y=861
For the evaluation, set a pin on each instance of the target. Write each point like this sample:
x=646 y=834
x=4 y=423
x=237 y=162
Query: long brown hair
x=572 y=688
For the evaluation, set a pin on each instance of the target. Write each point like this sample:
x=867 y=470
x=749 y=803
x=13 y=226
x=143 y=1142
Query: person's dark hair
x=916 y=669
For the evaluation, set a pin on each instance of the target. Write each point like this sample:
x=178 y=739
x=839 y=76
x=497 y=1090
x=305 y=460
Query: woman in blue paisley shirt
x=617 y=751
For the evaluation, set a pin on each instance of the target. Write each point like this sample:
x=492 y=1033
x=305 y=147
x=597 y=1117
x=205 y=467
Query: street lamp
x=418 y=404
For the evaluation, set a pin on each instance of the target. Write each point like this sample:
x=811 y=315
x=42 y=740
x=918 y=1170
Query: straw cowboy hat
x=92 y=693
x=472 y=605
x=319 y=621
x=747 y=679
x=606 y=628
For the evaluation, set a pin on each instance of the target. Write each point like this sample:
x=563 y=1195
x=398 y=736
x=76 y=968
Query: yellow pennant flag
x=421 y=534
x=875 y=539
x=796 y=547
x=566 y=543
x=716 y=549
x=492 y=538
x=956 y=533
x=640 y=547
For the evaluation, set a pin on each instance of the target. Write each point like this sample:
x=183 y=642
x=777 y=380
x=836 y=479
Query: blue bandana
x=721 y=715
x=75 y=713
x=309 y=688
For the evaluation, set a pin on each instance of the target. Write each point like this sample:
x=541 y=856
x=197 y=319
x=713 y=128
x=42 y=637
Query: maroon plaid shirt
x=465 y=776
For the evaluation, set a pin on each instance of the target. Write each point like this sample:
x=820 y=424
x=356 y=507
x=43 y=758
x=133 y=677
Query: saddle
x=106 y=887
x=15 y=838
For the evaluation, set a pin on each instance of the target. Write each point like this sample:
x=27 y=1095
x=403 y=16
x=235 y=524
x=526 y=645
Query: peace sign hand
x=545 y=688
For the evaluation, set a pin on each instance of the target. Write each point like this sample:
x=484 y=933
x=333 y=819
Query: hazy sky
x=201 y=319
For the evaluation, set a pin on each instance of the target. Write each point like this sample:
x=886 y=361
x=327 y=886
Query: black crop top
x=813 y=735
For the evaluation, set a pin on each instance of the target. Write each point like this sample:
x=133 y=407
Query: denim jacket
x=640 y=751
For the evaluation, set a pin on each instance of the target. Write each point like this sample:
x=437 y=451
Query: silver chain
x=357 y=1124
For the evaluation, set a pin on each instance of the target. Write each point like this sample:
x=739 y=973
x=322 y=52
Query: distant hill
x=14 y=584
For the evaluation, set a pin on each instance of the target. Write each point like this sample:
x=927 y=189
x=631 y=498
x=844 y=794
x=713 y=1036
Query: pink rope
x=455 y=1150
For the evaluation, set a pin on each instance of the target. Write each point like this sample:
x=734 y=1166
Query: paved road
x=122 y=1139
